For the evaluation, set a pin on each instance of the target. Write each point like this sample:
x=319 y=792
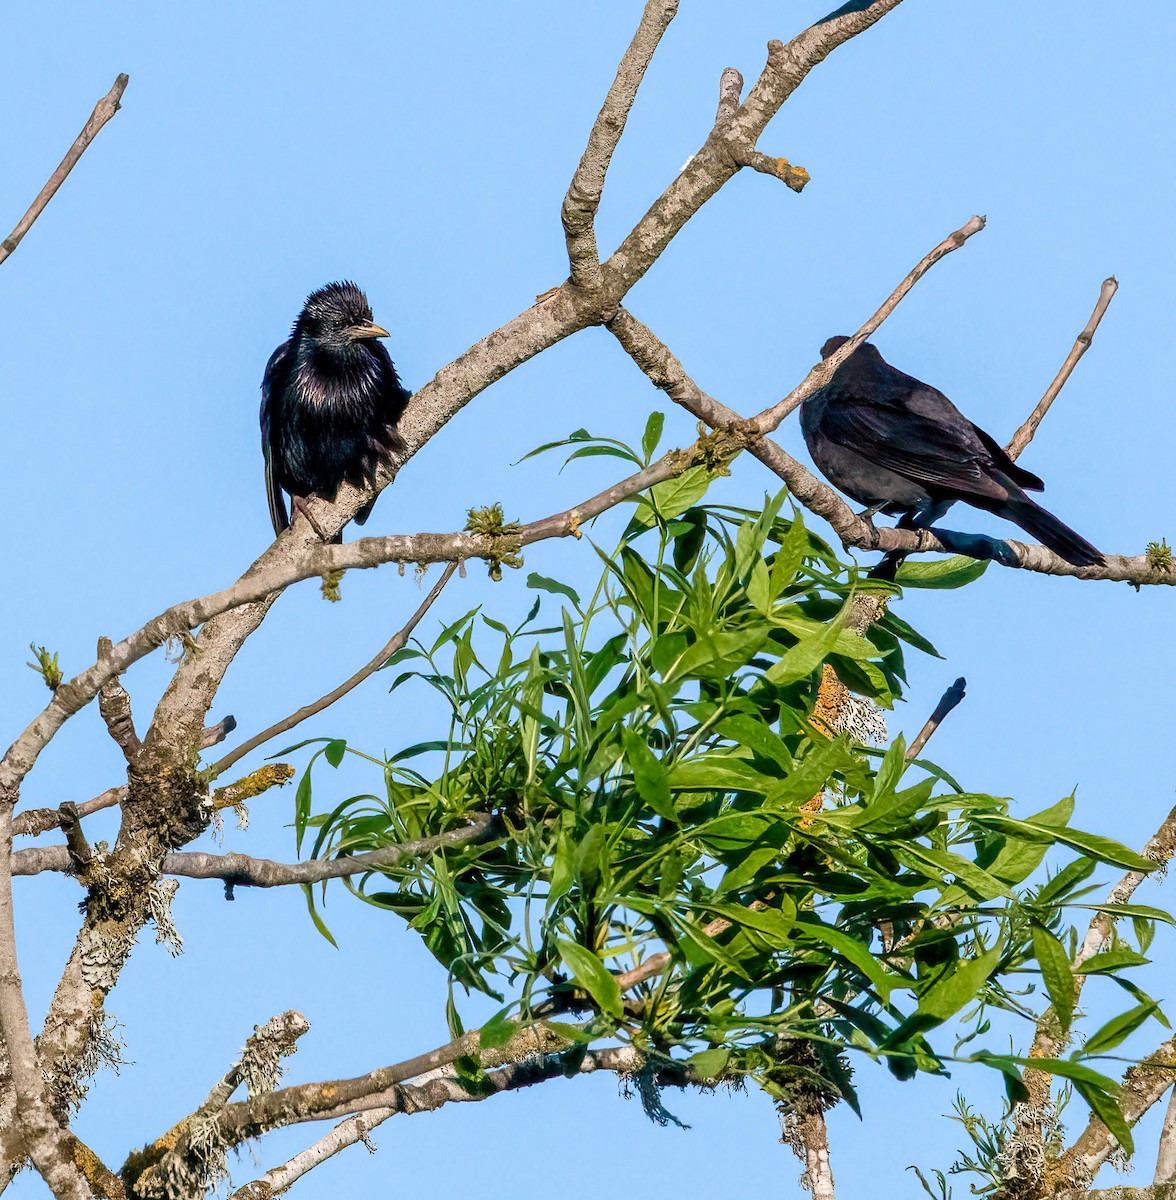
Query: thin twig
x=779 y=168
x=103 y=111
x=1024 y=435
x=40 y=820
x=947 y=702
x=770 y=418
x=587 y=186
x=395 y=643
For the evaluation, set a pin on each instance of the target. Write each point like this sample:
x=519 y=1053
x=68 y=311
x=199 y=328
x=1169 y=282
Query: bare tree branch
x=240 y=870
x=40 y=820
x=103 y=111
x=395 y=643
x=730 y=91
x=1143 y=1085
x=779 y=168
x=114 y=706
x=811 y=1136
x=429 y=1096
x=720 y=156
x=1024 y=435
x=1166 y=1156
x=587 y=186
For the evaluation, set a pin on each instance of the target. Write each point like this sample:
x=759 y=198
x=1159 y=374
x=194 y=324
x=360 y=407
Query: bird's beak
x=358 y=333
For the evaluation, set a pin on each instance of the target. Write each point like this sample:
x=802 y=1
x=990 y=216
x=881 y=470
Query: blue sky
x=423 y=150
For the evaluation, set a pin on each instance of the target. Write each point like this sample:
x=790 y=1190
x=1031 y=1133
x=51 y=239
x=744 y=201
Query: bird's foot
x=978 y=545
x=299 y=505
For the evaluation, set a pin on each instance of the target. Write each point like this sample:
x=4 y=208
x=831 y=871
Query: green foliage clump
x=661 y=867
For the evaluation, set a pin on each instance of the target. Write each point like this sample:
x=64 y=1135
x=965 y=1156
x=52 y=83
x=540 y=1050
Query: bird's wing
x=1027 y=480
x=923 y=438
x=273 y=385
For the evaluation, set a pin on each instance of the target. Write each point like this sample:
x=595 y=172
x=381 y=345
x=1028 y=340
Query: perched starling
x=330 y=401
x=901 y=447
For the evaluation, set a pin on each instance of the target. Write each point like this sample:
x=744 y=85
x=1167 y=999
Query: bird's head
x=864 y=351
x=337 y=317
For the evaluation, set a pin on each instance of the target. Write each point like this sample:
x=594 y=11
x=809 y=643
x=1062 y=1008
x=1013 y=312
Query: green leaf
x=1108 y=1112
x=718 y=655
x=1055 y=970
x=940 y=573
x=1076 y=1071
x=958 y=985
x=301 y=809
x=671 y=498
x=652 y=434
x=1132 y=910
x=334 y=751
x=1105 y=849
x=498 y=1030
x=718 y=772
x=319 y=923
x=971 y=877
x=852 y=950
x=649 y=775
x=1110 y=961
x=1118 y=1029
x=773 y=922
x=709 y=1064
x=545 y=584
x=791 y=554
x=593 y=976
x=808 y=654
x=604 y=452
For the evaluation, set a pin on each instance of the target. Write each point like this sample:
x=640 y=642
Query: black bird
x=899 y=446
x=330 y=401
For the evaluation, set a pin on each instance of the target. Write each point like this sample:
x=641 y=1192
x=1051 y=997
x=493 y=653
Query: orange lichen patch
x=811 y=806
x=831 y=696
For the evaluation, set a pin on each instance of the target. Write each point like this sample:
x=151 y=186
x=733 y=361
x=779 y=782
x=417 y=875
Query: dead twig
x=103 y=111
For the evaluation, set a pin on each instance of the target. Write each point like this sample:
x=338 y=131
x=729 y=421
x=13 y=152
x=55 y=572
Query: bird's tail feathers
x=1052 y=533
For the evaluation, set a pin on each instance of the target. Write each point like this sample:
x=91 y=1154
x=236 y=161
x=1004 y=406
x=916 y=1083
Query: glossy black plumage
x=330 y=401
x=899 y=446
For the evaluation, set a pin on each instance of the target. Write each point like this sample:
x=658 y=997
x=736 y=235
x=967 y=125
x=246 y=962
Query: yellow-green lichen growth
x=1159 y=555
x=330 y=585
x=491 y=522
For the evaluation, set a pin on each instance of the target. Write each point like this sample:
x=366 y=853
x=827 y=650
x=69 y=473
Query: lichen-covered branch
x=431 y=1095
x=242 y=870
